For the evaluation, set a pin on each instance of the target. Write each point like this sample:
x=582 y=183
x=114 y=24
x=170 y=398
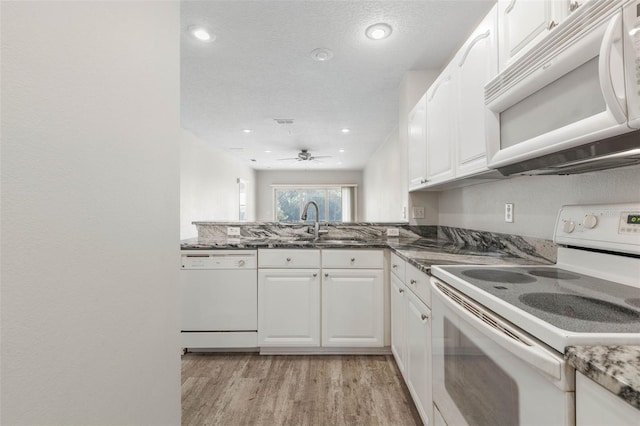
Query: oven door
x=488 y=372
x=567 y=94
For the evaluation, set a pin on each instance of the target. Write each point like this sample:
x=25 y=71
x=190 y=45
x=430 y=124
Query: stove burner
x=583 y=308
x=498 y=276
x=554 y=273
x=633 y=301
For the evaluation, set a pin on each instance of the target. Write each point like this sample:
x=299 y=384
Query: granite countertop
x=420 y=252
x=616 y=368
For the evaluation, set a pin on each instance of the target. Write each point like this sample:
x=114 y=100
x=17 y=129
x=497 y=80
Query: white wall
x=209 y=186
x=266 y=178
x=537 y=200
x=384 y=183
x=90 y=213
x=385 y=177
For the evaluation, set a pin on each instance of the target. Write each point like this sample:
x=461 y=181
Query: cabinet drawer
x=418 y=282
x=398 y=266
x=370 y=259
x=285 y=258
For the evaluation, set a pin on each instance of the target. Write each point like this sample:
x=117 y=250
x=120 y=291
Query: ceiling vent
x=283 y=120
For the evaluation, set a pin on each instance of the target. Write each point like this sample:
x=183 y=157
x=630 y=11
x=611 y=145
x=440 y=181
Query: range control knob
x=590 y=221
x=568 y=226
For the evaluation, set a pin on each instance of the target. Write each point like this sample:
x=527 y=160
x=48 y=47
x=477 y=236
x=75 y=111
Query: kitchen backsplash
x=525 y=247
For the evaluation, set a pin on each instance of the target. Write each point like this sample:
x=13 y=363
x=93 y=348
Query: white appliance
x=219 y=299
x=499 y=332
x=570 y=103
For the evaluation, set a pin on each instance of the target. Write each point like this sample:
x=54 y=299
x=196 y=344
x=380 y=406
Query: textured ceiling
x=259 y=68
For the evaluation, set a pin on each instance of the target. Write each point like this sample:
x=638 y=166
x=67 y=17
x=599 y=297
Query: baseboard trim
x=386 y=350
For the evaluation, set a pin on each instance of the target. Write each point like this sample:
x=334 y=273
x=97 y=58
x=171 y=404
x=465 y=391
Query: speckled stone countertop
x=616 y=368
x=420 y=252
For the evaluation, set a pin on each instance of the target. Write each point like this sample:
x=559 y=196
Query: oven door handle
x=500 y=332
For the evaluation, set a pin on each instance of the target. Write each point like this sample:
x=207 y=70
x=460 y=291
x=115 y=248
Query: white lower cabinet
x=352 y=307
x=597 y=406
x=399 y=323
x=418 y=363
x=289 y=307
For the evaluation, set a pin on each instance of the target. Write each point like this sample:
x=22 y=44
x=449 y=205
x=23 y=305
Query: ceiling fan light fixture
x=345 y=130
x=378 y=31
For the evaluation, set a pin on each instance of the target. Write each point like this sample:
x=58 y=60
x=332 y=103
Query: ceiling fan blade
x=320 y=156
x=286 y=159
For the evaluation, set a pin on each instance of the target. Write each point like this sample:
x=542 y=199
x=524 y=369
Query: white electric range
x=499 y=333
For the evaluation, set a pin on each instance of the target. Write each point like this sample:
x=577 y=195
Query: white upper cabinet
x=476 y=63
x=523 y=23
x=441 y=126
x=418 y=144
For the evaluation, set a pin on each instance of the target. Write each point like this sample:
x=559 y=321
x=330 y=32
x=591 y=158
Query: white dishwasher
x=219 y=299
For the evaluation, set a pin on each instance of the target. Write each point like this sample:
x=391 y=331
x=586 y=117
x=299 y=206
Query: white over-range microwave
x=572 y=103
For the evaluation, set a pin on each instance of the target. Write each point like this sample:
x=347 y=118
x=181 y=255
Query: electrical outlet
x=404 y=212
x=233 y=231
x=418 y=212
x=508 y=212
x=393 y=232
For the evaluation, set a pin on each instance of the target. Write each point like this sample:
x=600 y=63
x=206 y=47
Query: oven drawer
x=418 y=282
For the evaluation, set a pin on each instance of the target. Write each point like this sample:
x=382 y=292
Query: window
x=336 y=203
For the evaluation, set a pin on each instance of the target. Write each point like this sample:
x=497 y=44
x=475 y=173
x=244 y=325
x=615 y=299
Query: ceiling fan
x=305 y=155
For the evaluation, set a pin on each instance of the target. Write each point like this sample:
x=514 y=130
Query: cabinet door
x=418 y=144
x=476 y=63
x=352 y=307
x=523 y=23
x=398 y=323
x=289 y=307
x=441 y=120
x=596 y=405
x=419 y=357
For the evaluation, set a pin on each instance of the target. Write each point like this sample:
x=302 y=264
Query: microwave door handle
x=533 y=355
x=616 y=103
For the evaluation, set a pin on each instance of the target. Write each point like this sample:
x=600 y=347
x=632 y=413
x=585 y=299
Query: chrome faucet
x=316 y=225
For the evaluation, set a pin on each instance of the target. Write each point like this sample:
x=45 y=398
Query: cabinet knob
x=353 y=259
x=326 y=275
x=400 y=291
x=241 y=262
x=315 y=275
x=424 y=317
x=574 y=5
x=288 y=259
x=413 y=282
x=394 y=266
x=552 y=25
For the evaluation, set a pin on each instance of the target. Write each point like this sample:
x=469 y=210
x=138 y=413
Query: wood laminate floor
x=250 y=389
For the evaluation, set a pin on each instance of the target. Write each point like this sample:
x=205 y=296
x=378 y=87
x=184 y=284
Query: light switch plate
x=508 y=212
x=233 y=231
x=418 y=212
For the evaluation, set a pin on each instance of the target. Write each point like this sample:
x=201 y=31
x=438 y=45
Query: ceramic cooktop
x=566 y=300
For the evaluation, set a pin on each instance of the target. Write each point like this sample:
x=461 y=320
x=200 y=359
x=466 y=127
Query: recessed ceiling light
x=321 y=54
x=345 y=130
x=342 y=150
x=267 y=151
x=339 y=163
x=246 y=130
x=378 y=31
x=201 y=33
